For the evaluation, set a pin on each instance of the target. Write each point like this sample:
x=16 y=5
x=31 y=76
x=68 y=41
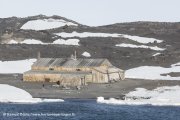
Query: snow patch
x=160 y=96
x=86 y=34
x=140 y=46
x=153 y=72
x=12 y=42
x=67 y=42
x=138 y=39
x=19 y=66
x=31 y=41
x=46 y=24
x=52 y=100
x=59 y=41
x=156 y=54
x=144 y=40
x=16 y=95
x=86 y=54
x=27 y=41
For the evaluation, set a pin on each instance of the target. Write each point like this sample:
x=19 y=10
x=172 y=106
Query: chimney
x=38 y=55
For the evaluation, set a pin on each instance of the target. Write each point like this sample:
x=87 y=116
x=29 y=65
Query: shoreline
x=89 y=92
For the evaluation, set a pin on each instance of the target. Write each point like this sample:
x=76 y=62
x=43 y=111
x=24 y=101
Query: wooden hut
x=73 y=72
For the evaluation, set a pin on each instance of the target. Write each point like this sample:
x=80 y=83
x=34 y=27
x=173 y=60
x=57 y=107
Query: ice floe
x=86 y=54
x=44 y=24
x=140 y=46
x=153 y=72
x=11 y=94
x=18 y=66
x=167 y=95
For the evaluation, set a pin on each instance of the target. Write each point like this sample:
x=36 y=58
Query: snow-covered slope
x=46 y=24
x=138 y=39
x=16 y=95
x=142 y=39
x=140 y=46
x=19 y=66
x=160 y=96
x=31 y=41
x=58 y=41
x=67 y=42
x=86 y=34
x=26 y=41
x=153 y=72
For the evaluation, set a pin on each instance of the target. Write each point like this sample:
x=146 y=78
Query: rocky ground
x=91 y=91
x=98 y=47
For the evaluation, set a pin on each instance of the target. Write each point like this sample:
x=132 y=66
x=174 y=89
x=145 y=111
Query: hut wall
x=117 y=76
x=114 y=76
x=62 y=68
x=99 y=77
x=63 y=79
x=89 y=79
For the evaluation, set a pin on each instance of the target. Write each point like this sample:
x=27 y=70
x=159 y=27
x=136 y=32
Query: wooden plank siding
x=73 y=72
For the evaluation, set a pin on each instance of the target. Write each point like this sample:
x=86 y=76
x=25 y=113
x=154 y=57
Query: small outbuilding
x=73 y=72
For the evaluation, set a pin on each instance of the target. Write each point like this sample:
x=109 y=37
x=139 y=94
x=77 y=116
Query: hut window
x=51 y=68
x=78 y=69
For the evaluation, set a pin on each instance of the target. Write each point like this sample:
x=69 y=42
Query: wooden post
x=75 y=56
x=38 y=55
x=108 y=75
x=119 y=76
x=84 y=80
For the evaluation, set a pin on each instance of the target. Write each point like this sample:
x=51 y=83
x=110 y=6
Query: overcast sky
x=95 y=12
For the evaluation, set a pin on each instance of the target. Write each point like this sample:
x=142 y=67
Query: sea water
x=86 y=110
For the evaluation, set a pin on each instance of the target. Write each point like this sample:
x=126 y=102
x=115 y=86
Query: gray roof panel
x=64 y=62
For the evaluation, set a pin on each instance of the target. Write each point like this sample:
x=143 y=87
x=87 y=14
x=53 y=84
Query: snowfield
x=156 y=54
x=12 y=42
x=59 y=41
x=45 y=24
x=142 y=39
x=86 y=34
x=153 y=72
x=67 y=42
x=160 y=96
x=140 y=46
x=19 y=66
x=16 y=95
x=27 y=41
x=86 y=54
x=31 y=41
x=138 y=39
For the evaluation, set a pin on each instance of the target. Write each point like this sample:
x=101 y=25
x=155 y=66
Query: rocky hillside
x=126 y=45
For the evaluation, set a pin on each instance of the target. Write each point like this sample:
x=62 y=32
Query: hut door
x=82 y=81
x=47 y=79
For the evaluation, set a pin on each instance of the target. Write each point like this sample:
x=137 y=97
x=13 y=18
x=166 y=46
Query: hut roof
x=67 y=62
